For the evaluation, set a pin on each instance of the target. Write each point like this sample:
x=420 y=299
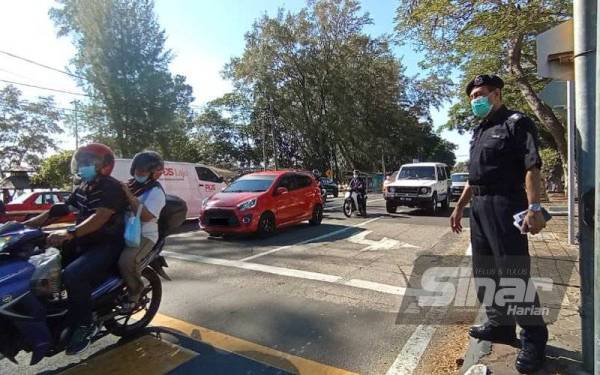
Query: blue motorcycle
x=33 y=316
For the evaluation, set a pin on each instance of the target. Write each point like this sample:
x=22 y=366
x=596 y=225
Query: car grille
x=404 y=189
x=220 y=217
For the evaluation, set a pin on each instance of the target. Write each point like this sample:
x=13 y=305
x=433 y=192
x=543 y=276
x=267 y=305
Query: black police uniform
x=503 y=148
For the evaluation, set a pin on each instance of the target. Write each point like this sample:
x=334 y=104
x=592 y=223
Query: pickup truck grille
x=220 y=217
x=404 y=189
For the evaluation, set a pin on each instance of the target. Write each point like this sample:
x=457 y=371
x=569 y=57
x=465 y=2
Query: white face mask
x=355 y=176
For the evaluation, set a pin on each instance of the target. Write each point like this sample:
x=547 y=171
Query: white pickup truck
x=423 y=185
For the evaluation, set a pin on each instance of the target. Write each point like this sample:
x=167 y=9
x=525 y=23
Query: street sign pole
x=571 y=161
x=584 y=56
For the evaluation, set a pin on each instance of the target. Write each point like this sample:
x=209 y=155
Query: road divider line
x=255 y=352
x=290 y=272
x=318 y=238
x=409 y=357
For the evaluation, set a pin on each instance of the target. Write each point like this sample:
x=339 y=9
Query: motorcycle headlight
x=247 y=204
x=424 y=190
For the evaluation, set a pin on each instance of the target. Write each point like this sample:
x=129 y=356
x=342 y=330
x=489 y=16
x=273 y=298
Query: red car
x=28 y=205
x=262 y=202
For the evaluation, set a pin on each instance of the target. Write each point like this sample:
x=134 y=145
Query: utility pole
x=597 y=203
x=584 y=55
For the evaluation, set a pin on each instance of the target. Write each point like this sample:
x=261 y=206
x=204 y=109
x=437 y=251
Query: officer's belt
x=496 y=189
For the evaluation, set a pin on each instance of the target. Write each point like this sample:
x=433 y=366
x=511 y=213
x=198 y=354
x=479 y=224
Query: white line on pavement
x=289 y=272
x=318 y=238
x=410 y=356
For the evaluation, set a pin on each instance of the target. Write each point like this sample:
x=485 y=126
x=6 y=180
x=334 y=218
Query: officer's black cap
x=485 y=80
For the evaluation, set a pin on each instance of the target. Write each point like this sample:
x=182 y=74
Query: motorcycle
x=351 y=204
x=33 y=309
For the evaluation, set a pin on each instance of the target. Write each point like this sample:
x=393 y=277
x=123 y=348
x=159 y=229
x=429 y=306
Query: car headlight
x=205 y=202
x=424 y=190
x=247 y=204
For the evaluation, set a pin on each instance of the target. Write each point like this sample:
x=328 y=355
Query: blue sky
x=203 y=34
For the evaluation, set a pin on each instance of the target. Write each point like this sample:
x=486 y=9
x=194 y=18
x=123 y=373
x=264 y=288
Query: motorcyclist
x=92 y=246
x=143 y=191
x=357 y=184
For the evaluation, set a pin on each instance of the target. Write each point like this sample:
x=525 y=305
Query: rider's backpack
x=172 y=215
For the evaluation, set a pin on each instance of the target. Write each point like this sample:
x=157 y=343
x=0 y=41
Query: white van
x=191 y=182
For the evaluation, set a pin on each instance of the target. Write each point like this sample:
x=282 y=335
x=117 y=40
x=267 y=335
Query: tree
x=478 y=37
x=461 y=167
x=326 y=95
x=27 y=129
x=55 y=171
x=123 y=63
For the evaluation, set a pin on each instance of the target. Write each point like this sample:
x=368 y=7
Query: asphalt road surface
x=310 y=300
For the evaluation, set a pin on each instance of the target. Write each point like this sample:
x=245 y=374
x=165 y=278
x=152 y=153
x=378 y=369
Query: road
x=322 y=299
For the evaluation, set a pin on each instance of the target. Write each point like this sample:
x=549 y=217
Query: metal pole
x=597 y=204
x=571 y=159
x=584 y=12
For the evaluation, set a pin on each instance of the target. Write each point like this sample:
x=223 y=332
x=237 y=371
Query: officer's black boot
x=533 y=349
x=497 y=334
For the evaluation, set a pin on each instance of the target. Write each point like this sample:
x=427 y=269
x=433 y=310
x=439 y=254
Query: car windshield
x=22 y=198
x=460 y=177
x=417 y=173
x=249 y=184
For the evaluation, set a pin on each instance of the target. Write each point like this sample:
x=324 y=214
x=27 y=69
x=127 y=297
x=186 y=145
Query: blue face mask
x=87 y=173
x=141 y=179
x=481 y=106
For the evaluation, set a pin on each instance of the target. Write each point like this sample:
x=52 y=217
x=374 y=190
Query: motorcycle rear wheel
x=130 y=324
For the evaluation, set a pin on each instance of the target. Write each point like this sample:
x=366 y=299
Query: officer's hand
x=534 y=222
x=58 y=238
x=455 y=218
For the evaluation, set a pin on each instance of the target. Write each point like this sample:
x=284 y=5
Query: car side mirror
x=281 y=191
x=59 y=210
x=220 y=180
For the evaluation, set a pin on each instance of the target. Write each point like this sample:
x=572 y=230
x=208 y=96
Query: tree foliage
x=321 y=93
x=54 y=171
x=124 y=65
x=478 y=37
x=28 y=129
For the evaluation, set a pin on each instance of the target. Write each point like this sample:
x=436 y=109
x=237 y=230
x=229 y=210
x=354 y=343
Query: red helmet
x=94 y=154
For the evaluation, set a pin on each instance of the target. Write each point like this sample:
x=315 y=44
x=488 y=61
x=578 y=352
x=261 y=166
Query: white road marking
x=383 y=244
x=289 y=272
x=318 y=238
x=409 y=357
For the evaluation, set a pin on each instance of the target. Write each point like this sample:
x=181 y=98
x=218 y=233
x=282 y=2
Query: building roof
x=16 y=182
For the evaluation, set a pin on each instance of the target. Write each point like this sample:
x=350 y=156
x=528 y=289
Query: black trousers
x=501 y=254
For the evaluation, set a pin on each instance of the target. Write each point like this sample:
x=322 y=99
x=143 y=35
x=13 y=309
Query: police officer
x=504 y=178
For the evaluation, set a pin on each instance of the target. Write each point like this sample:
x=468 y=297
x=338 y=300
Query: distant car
x=262 y=202
x=459 y=180
x=423 y=185
x=28 y=205
x=330 y=186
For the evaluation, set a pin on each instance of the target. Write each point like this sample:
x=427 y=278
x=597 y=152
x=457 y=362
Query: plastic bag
x=46 y=280
x=133 y=229
x=133 y=226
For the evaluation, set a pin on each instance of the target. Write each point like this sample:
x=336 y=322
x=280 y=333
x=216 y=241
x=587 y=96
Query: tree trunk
x=541 y=110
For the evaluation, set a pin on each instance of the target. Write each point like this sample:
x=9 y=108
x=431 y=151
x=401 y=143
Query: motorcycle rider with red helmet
x=95 y=242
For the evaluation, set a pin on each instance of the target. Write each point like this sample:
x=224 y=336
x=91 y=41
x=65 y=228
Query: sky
x=203 y=34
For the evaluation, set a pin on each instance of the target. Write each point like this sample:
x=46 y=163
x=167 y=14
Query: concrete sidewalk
x=551 y=256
